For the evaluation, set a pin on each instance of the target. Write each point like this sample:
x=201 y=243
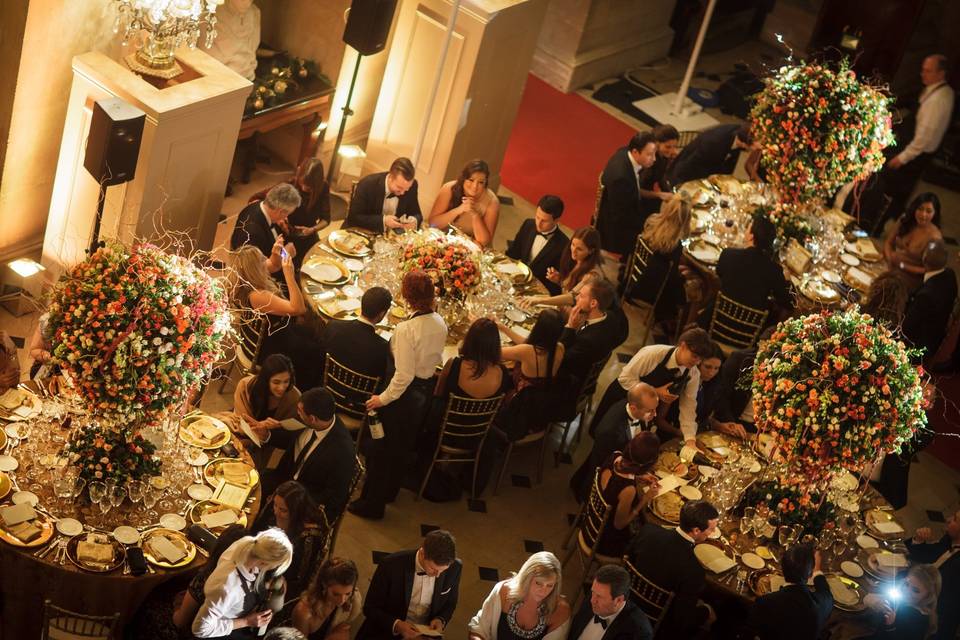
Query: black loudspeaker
x=114 y=141
x=368 y=25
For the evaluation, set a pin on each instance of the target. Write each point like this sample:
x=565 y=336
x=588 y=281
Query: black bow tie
x=421 y=573
x=391 y=195
x=546 y=236
x=636 y=423
x=600 y=621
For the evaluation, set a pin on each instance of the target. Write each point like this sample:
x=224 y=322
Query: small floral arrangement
x=105 y=454
x=284 y=75
x=819 y=128
x=792 y=505
x=449 y=264
x=789 y=222
x=835 y=390
x=136 y=330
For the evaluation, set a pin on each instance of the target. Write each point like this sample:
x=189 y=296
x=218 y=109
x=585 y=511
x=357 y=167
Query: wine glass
x=783 y=535
x=97 y=491
x=117 y=495
x=150 y=497
x=746 y=522
x=793 y=534
x=135 y=490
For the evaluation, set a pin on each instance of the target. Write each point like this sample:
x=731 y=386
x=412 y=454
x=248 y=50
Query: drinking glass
x=746 y=525
x=63 y=488
x=135 y=490
x=783 y=535
x=150 y=497
x=793 y=534
x=98 y=492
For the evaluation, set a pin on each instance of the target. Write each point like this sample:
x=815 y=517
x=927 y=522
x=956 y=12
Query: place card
x=796 y=257
x=218 y=518
x=888 y=527
x=23 y=411
x=18 y=513
x=231 y=495
x=170 y=552
x=892 y=560
x=292 y=424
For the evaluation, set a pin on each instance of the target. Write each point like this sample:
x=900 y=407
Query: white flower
x=157 y=342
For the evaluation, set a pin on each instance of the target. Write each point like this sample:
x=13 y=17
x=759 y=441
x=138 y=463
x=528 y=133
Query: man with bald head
x=622 y=421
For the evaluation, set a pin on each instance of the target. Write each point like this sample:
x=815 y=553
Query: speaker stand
x=95 y=240
x=347 y=112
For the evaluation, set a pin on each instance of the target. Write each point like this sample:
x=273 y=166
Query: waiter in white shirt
x=417 y=347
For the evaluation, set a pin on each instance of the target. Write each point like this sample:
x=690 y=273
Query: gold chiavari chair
x=350 y=391
x=61 y=624
x=582 y=408
x=636 y=266
x=588 y=528
x=250 y=328
x=358 y=473
x=652 y=599
x=735 y=326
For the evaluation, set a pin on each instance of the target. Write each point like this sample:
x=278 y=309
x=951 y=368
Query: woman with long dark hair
x=579 y=266
x=331 y=602
x=468 y=204
x=917 y=227
x=268 y=397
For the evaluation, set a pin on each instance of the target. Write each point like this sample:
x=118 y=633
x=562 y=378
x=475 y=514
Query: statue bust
x=238 y=36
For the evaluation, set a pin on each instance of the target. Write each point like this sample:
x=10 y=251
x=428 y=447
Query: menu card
x=169 y=551
x=219 y=518
x=888 y=527
x=797 y=258
x=893 y=560
x=17 y=514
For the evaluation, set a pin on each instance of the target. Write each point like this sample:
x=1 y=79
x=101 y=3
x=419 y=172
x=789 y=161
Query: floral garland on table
x=789 y=222
x=791 y=505
x=835 y=390
x=104 y=454
x=819 y=128
x=449 y=264
x=136 y=330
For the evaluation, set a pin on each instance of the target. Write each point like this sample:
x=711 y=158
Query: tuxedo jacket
x=751 y=277
x=252 y=228
x=928 y=311
x=549 y=256
x=356 y=345
x=366 y=207
x=709 y=153
x=795 y=612
x=612 y=434
x=948 y=613
x=621 y=214
x=389 y=595
x=586 y=347
x=630 y=624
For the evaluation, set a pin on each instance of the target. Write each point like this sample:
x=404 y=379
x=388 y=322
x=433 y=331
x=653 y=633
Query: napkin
x=17 y=514
x=508 y=268
x=892 y=560
x=12 y=399
x=218 y=518
x=169 y=551
x=668 y=483
x=236 y=473
x=888 y=527
x=713 y=558
x=95 y=552
x=23 y=411
x=24 y=532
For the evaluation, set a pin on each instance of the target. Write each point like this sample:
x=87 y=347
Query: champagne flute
x=97 y=491
x=150 y=497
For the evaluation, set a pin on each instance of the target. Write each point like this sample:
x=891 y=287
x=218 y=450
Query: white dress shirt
x=223 y=597
x=594 y=630
x=238 y=36
x=389 y=203
x=636 y=168
x=933 y=119
x=420 y=595
x=636 y=424
x=417 y=346
x=539 y=242
x=270 y=224
x=645 y=361
x=302 y=441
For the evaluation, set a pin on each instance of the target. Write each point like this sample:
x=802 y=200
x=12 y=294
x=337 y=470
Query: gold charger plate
x=46 y=532
x=196 y=440
x=835 y=580
x=819 y=291
x=96 y=567
x=867 y=558
x=703 y=251
x=5 y=483
x=177 y=539
x=873 y=516
x=314 y=269
x=213 y=472
x=205 y=507
x=338 y=314
x=523 y=274
x=349 y=243
x=759 y=581
x=30 y=400
x=667 y=507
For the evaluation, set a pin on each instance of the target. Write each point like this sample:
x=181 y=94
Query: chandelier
x=169 y=24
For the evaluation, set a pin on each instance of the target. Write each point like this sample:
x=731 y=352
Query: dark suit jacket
x=750 y=277
x=928 y=312
x=667 y=560
x=948 y=613
x=612 y=434
x=630 y=624
x=621 y=214
x=709 y=153
x=366 y=208
x=793 y=613
x=585 y=348
x=389 y=595
x=549 y=256
x=252 y=228
x=731 y=398
x=356 y=345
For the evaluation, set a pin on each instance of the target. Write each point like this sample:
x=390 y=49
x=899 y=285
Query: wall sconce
x=13 y=295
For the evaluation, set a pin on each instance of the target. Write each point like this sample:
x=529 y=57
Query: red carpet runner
x=560 y=144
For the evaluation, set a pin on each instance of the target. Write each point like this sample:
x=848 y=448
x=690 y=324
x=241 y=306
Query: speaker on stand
x=113 y=144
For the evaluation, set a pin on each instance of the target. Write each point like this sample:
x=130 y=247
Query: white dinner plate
x=126 y=535
x=200 y=460
x=867 y=542
x=69 y=527
x=830 y=276
x=690 y=493
x=173 y=521
x=852 y=569
x=753 y=561
x=516 y=315
x=352 y=291
x=25 y=496
x=846 y=258
x=199 y=491
x=353 y=264
x=708 y=471
x=8 y=463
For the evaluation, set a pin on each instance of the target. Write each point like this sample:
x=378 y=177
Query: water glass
x=117 y=495
x=135 y=489
x=97 y=490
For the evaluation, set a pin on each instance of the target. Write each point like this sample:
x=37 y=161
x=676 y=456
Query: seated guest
x=916 y=228
x=540 y=244
x=417 y=347
x=320 y=456
x=887 y=299
x=313 y=214
x=653 y=181
x=795 y=612
x=418 y=586
x=609 y=613
x=331 y=602
x=912 y=615
x=467 y=204
x=715 y=150
x=386 y=200
x=578 y=266
x=355 y=344
x=228 y=611
x=258 y=225
x=665 y=558
x=269 y=396
x=528 y=606
x=929 y=308
x=40 y=351
x=733 y=408
x=623 y=478
x=709 y=387
x=944 y=554
x=9 y=363
x=620 y=213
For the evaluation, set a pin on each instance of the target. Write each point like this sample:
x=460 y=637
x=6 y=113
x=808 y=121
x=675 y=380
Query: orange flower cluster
x=450 y=265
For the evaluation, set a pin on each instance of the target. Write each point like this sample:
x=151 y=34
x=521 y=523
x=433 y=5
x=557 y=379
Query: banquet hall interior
x=532 y=99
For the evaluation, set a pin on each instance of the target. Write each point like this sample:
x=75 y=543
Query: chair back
x=597 y=201
x=61 y=624
x=251 y=328
x=358 y=472
x=596 y=514
x=350 y=390
x=734 y=325
x=637 y=265
x=465 y=424
x=653 y=600
x=686 y=137
x=589 y=386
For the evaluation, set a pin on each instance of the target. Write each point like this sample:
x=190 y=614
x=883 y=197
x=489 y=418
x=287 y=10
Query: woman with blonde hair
x=912 y=615
x=236 y=591
x=528 y=606
x=331 y=602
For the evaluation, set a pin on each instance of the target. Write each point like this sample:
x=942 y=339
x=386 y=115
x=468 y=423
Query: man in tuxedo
x=929 y=308
x=540 y=243
x=386 y=200
x=625 y=419
x=261 y=223
x=944 y=554
x=413 y=587
x=795 y=612
x=620 y=215
x=716 y=150
x=355 y=343
x=610 y=615
x=665 y=558
x=320 y=457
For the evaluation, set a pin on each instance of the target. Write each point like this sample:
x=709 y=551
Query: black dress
x=507 y=628
x=307 y=216
x=661 y=266
x=613 y=541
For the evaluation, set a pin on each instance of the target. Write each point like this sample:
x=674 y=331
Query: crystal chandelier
x=169 y=24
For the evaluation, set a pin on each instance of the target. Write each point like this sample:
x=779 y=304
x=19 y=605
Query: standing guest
x=9 y=363
x=258 y=225
x=468 y=204
x=231 y=595
x=620 y=214
x=887 y=299
x=931 y=122
x=540 y=244
x=665 y=558
x=331 y=602
x=716 y=150
x=417 y=347
x=528 y=606
x=582 y=264
x=386 y=200
x=916 y=228
x=653 y=181
x=610 y=614
x=268 y=397
x=355 y=343
x=930 y=306
x=944 y=554
x=415 y=587
x=913 y=615
x=795 y=612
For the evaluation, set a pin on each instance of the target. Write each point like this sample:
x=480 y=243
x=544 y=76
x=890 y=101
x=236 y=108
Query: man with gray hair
x=259 y=224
